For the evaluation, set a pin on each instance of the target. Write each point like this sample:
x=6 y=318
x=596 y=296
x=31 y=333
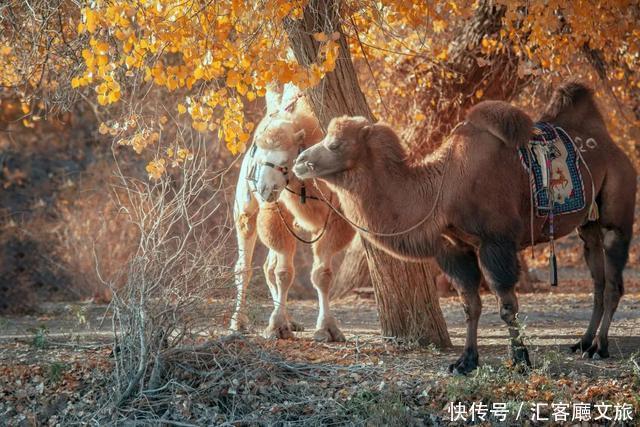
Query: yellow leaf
x=103 y=129
x=241 y=88
x=479 y=93
x=184 y=153
x=199 y=126
x=439 y=25
x=233 y=78
x=102 y=60
x=442 y=56
x=113 y=96
x=182 y=109
x=156 y=168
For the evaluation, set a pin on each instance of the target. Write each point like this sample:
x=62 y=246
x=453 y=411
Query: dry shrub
x=178 y=270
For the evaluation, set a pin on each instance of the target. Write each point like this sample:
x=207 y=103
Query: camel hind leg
x=616 y=252
x=591 y=235
x=617 y=205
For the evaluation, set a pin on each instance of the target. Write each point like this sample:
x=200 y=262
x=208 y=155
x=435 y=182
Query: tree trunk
x=407 y=301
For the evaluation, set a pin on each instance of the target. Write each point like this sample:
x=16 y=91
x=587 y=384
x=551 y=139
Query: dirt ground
x=61 y=348
x=554 y=320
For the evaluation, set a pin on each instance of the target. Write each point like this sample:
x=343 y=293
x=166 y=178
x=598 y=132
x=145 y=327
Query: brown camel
x=471 y=199
x=268 y=205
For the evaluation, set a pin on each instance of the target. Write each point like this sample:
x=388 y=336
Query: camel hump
x=572 y=102
x=507 y=123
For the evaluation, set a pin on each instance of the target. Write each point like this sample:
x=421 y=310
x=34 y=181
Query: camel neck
x=390 y=198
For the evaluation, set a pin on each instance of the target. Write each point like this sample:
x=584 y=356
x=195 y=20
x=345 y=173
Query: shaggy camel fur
x=476 y=196
x=288 y=127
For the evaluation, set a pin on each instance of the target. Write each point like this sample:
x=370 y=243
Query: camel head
x=275 y=146
x=344 y=144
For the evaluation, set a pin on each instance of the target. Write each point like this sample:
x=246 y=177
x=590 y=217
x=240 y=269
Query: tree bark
x=407 y=302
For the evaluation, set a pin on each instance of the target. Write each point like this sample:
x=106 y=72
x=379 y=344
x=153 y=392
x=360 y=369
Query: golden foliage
x=215 y=58
x=218 y=53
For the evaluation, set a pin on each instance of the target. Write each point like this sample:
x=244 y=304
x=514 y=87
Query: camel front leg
x=279 y=323
x=462 y=268
x=322 y=278
x=499 y=263
x=247 y=235
x=270 y=277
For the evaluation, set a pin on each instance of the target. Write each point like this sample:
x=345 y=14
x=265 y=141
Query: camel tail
x=572 y=102
x=509 y=124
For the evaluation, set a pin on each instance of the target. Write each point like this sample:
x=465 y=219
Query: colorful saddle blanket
x=556 y=180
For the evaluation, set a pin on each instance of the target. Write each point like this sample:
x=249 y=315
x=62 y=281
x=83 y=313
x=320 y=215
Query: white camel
x=272 y=204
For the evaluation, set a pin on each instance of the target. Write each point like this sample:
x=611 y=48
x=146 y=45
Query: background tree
x=419 y=64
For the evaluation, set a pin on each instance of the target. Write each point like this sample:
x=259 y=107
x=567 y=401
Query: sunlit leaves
x=156 y=168
x=219 y=57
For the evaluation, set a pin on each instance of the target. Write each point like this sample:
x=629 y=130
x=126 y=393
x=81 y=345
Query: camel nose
x=302 y=157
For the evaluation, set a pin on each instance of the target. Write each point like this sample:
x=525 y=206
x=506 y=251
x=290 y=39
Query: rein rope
x=293 y=233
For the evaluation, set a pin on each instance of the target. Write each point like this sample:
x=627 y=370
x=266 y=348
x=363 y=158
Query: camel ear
x=299 y=136
x=364 y=132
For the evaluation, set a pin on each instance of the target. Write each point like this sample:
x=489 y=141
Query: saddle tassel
x=303 y=194
x=593 y=212
x=553 y=268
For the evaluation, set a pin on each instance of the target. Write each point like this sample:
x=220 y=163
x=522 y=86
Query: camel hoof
x=295 y=326
x=596 y=352
x=239 y=323
x=520 y=357
x=329 y=334
x=465 y=364
x=281 y=332
x=580 y=346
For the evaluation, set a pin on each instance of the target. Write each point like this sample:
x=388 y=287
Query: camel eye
x=334 y=146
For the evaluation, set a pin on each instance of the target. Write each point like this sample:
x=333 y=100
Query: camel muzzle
x=303 y=167
x=304 y=170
